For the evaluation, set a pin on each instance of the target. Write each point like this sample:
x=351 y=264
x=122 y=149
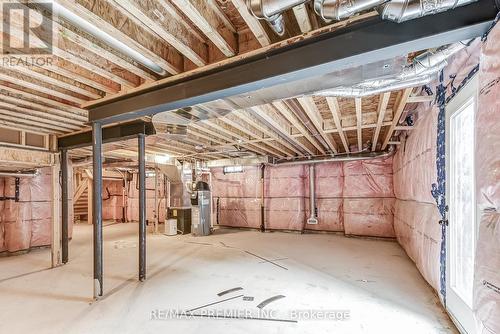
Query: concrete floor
x=371 y=282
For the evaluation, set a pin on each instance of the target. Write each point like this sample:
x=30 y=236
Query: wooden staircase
x=82 y=202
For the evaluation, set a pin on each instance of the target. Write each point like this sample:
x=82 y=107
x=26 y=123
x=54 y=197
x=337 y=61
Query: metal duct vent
x=394 y=10
x=404 y=10
x=422 y=71
x=271 y=11
x=174 y=123
x=343 y=9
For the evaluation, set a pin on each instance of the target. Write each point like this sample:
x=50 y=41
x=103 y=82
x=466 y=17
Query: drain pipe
x=312 y=220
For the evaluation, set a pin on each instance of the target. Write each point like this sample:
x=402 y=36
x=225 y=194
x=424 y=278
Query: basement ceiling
x=183 y=37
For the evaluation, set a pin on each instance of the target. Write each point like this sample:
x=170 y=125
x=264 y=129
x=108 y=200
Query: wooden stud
x=204 y=15
x=252 y=23
x=302 y=17
x=382 y=107
x=312 y=111
x=400 y=106
x=333 y=105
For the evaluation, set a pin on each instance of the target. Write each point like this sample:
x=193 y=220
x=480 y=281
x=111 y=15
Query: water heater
x=201 y=209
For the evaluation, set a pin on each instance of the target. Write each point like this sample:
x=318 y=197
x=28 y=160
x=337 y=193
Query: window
x=233 y=169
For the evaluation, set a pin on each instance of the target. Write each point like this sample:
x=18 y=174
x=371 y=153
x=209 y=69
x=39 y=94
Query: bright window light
x=233 y=169
x=162 y=159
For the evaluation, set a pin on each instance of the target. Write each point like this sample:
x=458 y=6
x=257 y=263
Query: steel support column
x=97 y=206
x=142 y=207
x=65 y=205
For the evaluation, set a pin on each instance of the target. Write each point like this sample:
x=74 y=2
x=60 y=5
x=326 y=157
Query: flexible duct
x=342 y=9
x=404 y=10
x=420 y=72
x=271 y=11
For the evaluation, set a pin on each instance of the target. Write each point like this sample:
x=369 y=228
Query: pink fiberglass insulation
x=284 y=192
x=2 y=231
x=133 y=200
x=286 y=197
x=417 y=231
x=368 y=178
x=112 y=200
x=329 y=187
x=487 y=263
x=240 y=212
x=238 y=196
x=369 y=216
x=28 y=222
x=416 y=218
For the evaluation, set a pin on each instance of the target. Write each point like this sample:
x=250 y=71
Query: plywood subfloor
x=373 y=280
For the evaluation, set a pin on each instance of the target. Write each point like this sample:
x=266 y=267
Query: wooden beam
x=400 y=106
x=20 y=126
x=41 y=99
x=19 y=104
x=95 y=48
x=80 y=78
x=157 y=16
x=16 y=32
x=5 y=76
x=103 y=14
x=219 y=134
x=265 y=113
x=309 y=106
x=43 y=75
x=30 y=119
x=333 y=105
x=204 y=15
x=421 y=98
x=403 y=128
x=252 y=134
x=290 y=117
x=359 y=122
x=355 y=128
x=382 y=107
x=252 y=23
x=302 y=17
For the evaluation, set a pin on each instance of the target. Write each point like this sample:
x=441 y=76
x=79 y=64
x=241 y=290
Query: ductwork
x=271 y=11
x=421 y=72
x=394 y=10
x=404 y=10
x=343 y=158
x=343 y=9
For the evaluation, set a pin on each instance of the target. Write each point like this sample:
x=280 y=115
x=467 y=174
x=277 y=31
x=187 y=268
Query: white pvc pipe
x=77 y=21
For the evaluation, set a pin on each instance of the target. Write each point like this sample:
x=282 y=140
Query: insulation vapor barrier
x=353 y=197
x=487 y=266
x=27 y=223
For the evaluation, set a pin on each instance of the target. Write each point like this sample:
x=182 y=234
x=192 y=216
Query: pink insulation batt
x=28 y=222
x=133 y=200
x=487 y=265
x=367 y=210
